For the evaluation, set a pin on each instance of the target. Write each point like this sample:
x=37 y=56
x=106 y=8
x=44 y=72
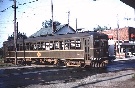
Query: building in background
x=60 y=29
x=121 y=41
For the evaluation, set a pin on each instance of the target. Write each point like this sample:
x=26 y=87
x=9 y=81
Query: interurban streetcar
x=78 y=49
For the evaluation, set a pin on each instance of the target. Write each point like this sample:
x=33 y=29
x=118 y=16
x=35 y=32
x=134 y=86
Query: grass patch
x=2 y=64
x=133 y=76
x=6 y=65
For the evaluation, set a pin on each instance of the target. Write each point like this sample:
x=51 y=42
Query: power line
x=5 y=9
x=18 y=4
x=20 y=11
x=6 y=23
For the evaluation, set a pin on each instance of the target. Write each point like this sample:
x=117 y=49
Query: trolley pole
x=68 y=18
x=76 y=25
x=15 y=37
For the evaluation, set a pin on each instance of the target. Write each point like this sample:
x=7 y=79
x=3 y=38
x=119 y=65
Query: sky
x=31 y=13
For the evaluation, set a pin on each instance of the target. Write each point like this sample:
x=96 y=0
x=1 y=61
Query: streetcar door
x=88 y=50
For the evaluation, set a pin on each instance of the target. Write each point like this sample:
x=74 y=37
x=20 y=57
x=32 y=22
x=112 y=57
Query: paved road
x=24 y=76
x=122 y=64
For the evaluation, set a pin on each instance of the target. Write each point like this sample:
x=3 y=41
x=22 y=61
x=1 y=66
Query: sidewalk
x=129 y=58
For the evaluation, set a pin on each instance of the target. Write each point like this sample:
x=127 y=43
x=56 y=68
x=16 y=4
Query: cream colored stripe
x=45 y=57
x=47 y=50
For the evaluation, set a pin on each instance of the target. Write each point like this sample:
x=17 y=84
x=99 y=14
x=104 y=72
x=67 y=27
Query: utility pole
x=15 y=34
x=134 y=14
x=16 y=31
x=52 y=14
x=118 y=47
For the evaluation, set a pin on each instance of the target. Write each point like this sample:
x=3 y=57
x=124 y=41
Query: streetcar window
x=10 y=48
x=61 y=45
x=32 y=47
x=85 y=49
x=78 y=44
x=43 y=45
x=85 y=42
x=17 y=47
x=86 y=58
x=27 y=46
x=102 y=44
x=97 y=43
x=72 y=46
x=51 y=45
x=35 y=46
x=56 y=44
x=67 y=44
x=47 y=47
x=21 y=46
x=88 y=49
x=39 y=46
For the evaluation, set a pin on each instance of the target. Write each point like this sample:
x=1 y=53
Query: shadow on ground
x=22 y=77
